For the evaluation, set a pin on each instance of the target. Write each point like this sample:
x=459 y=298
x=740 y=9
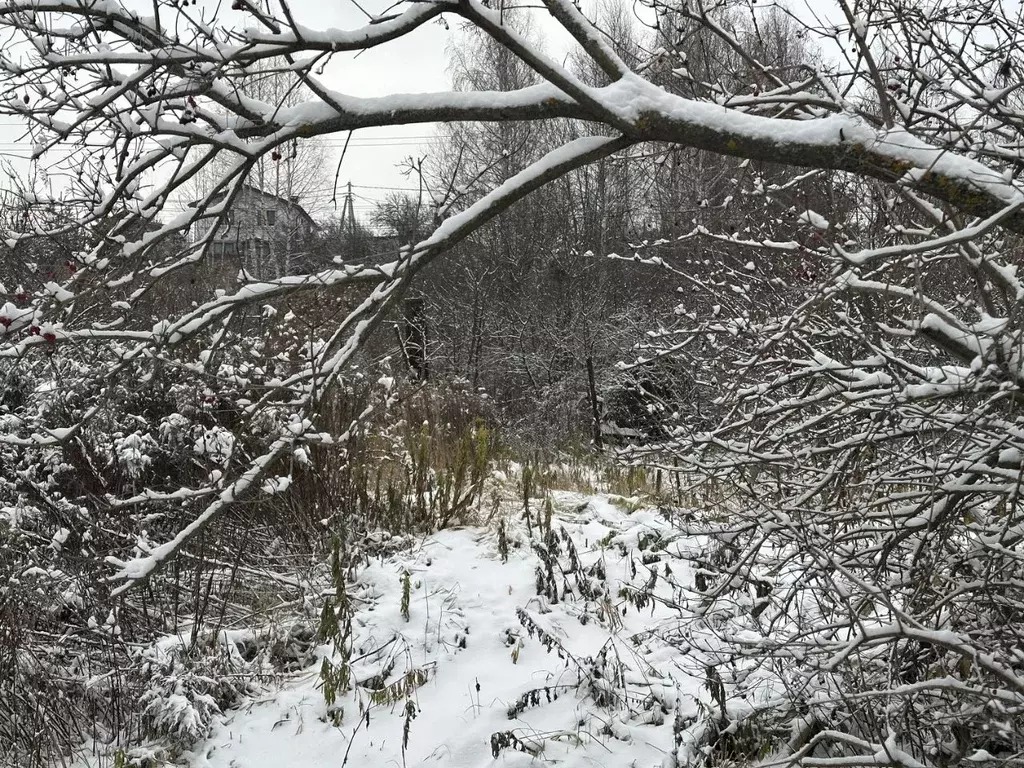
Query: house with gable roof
x=263 y=234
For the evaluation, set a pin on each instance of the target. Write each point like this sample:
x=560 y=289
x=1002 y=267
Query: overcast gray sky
x=417 y=63
x=413 y=65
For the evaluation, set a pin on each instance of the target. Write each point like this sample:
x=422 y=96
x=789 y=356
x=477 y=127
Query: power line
x=396 y=189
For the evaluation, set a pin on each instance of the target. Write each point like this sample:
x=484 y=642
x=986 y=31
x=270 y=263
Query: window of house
x=271 y=217
x=226 y=248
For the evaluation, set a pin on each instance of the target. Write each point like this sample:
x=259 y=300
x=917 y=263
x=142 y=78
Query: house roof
x=290 y=204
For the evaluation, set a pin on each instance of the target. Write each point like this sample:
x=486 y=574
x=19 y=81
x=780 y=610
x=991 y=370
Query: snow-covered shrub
x=184 y=690
x=110 y=489
x=216 y=444
x=100 y=469
x=133 y=451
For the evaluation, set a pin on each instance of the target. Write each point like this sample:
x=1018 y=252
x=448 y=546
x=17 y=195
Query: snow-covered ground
x=485 y=671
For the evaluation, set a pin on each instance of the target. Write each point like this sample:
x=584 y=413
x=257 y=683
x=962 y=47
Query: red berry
x=50 y=336
x=5 y=321
x=21 y=296
x=33 y=330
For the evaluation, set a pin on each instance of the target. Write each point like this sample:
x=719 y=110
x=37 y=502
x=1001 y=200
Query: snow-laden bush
x=126 y=479
x=68 y=675
x=184 y=690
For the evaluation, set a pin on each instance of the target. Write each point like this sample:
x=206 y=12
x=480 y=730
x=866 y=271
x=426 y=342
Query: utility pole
x=348 y=213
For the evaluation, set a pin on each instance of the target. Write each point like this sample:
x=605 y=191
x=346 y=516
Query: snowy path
x=463 y=595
